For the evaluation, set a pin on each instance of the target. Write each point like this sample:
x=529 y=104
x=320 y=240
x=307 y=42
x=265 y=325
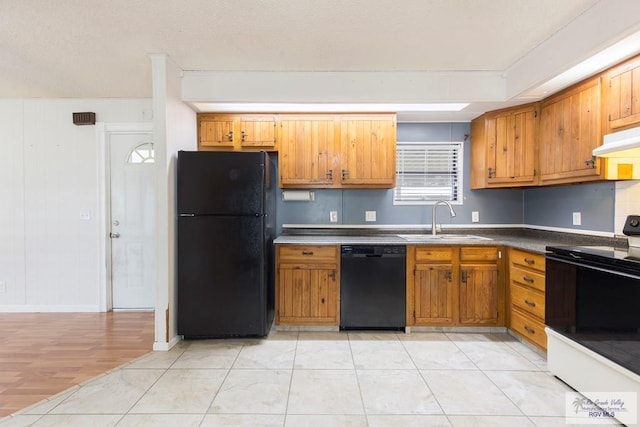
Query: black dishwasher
x=373 y=287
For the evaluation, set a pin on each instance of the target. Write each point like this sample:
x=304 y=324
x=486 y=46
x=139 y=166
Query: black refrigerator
x=226 y=221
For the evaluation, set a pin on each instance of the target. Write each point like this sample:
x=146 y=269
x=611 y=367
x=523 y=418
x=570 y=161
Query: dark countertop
x=520 y=238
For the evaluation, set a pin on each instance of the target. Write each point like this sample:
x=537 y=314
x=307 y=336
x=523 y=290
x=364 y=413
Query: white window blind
x=427 y=172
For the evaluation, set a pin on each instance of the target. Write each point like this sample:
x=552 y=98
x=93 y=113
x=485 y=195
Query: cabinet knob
x=230 y=136
x=529 y=261
x=529 y=303
x=529 y=329
x=345 y=174
x=307 y=252
x=528 y=279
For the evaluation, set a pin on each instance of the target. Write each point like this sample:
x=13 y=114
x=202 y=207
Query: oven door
x=585 y=296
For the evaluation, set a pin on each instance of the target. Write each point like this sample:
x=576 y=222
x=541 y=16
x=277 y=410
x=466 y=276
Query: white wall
x=627 y=202
x=174 y=129
x=49 y=256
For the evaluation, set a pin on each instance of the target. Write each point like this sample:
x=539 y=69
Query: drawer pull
x=529 y=329
x=528 y=279
x=307 y=252
x=529 y=303
x=530 y=261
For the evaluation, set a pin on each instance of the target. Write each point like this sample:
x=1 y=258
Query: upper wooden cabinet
x=569 y=131
x=215 y=131
x=621 y=90
x=257 y=131
x=368 y=151
x=306 y=153
x=236 y=132
x=503 y=148
x=337 y=151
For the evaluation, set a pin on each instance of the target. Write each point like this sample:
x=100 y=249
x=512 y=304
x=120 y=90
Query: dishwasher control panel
x=373 y=250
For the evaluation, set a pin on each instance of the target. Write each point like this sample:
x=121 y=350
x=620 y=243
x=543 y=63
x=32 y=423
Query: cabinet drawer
x=478 y=254
x=532 y=330
x=306 y=253
x=527 y=259
x=529 y=300
x=428 y=253
x=527 y=277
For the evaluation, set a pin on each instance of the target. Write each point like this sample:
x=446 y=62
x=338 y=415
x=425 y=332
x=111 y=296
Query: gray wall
x=543 y=206
x=554 y=206
x=495 y=206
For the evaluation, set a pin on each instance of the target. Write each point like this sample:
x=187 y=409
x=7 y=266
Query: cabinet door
x=478 y=294
x=368 y=151
x=257 y=131
x=478 y=169
x=307 y=294
x=511 y=139
x=434 y=294
x=305 y=155
x=622 y=86
x=215 y=131
x=569 y=131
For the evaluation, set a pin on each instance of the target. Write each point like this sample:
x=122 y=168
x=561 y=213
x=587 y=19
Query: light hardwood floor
x=42 y=354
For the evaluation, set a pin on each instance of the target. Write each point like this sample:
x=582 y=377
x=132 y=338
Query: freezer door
x=227 y=183
x=222 y=277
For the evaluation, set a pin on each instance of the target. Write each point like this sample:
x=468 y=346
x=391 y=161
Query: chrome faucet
x=433 y=215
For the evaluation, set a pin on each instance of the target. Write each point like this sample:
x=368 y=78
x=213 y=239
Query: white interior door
x=132 y=201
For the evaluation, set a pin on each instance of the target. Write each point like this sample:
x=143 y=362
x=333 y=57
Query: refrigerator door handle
x=187 y=214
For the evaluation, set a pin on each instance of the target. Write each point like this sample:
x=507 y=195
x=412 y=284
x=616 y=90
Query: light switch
x=3 y=287
x=333 y=216
x=370 y=216
x=475 y=216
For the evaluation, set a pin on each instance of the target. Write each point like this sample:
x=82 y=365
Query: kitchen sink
x=431 y=237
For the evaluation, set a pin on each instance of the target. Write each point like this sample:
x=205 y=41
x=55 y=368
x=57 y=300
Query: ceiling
x=98 y=49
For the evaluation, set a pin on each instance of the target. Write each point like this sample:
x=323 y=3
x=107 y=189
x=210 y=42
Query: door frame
x=103 y=133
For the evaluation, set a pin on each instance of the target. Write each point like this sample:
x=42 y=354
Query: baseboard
x=30 y=308
x=166 y=346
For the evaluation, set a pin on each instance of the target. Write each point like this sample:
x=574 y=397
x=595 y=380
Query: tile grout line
x=355 y=371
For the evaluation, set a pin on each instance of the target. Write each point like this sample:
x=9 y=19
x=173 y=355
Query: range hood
x=621 y=154
x=623 y=144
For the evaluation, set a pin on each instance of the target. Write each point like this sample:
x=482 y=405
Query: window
x=143 y=153
x=427 y=172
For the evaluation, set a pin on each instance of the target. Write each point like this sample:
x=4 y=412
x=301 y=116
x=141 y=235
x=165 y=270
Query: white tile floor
x=319 y=379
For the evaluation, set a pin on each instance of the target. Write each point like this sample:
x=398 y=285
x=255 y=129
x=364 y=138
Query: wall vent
x=87 y=118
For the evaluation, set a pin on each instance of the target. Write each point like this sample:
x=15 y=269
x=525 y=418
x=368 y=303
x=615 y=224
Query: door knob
x=114 y=235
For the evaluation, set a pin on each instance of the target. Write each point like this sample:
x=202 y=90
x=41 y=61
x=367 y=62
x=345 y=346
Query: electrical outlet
x=3 y=287
x=370 y=216
x=85 y=215
x=577 y=218
x=333 y=216
x=475 y=216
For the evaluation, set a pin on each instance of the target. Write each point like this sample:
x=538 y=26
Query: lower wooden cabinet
x=433 y=294
x=527 y=296
x=448 y=286
x=307 y=285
